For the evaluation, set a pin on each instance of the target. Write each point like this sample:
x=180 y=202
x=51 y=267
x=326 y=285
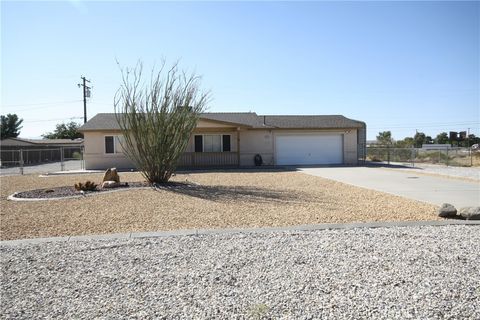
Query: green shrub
x=77 y=155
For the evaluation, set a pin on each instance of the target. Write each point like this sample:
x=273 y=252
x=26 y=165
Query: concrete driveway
x=431 y=189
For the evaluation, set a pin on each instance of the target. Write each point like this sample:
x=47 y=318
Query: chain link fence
x=464 y=157
x=40 y=160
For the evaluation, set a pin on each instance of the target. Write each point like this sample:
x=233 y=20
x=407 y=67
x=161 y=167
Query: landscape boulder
x=470 y=213
x=111 y=175
x=110 y=184
x=447 y=211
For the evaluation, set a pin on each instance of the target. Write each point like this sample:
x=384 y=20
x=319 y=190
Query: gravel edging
x=13 y=196
x=132 y=186
x=198 y=232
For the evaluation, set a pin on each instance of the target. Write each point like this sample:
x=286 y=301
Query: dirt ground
x=219 y=200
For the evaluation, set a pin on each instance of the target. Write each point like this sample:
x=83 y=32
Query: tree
x=419 y=139
x=10 y=126
x=405 y=143
x=385 y=138
x=442 y=138
x=158 y=118
x=64 y=131
x=473 y=139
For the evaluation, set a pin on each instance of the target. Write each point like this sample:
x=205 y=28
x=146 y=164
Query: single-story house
x=234 y=139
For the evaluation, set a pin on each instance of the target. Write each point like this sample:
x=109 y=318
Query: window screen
x=212 y=143
x=118 y=144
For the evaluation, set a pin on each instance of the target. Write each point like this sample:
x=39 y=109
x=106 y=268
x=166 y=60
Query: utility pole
x=86 y=94
x=469 y=148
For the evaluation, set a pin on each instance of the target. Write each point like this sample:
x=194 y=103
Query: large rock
x=447 y=211
x=111 y=175
x=470 y=213
x=110 y=184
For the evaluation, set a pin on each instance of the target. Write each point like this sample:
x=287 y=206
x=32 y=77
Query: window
x=118 y=144
x=212 y=143
x=226 y=142
x=198 y=143
x=109 y=144
x=113 y=144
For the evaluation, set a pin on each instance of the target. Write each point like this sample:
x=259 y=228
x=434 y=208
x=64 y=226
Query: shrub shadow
x=232 y=193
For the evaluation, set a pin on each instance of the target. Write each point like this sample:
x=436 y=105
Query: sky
x=398 y=66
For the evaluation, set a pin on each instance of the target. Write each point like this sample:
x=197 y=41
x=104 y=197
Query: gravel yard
x=220 y=200
x=383 y=273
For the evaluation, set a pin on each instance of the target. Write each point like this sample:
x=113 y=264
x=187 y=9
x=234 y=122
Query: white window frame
x=116 y=140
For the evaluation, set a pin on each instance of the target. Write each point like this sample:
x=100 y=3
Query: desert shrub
x=77 y=155
x=87 y=186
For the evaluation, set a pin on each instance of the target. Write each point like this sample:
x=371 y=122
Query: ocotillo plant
x=158 y=118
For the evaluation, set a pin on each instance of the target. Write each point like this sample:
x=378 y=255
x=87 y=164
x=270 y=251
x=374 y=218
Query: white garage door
x=309 y=149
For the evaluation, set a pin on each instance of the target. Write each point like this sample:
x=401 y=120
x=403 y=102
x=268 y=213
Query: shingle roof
x=312 y=122
x=108 y=121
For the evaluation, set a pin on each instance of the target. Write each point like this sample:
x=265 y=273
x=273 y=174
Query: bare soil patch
x=199 y=200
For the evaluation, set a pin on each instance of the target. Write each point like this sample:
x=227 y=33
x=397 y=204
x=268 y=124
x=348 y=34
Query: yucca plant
x=157 y=119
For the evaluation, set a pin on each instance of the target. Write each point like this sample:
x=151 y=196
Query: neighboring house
x=38 y=150
x=233 y=139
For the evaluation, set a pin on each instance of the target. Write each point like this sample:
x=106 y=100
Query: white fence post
x=21 y=160
x=62 y=163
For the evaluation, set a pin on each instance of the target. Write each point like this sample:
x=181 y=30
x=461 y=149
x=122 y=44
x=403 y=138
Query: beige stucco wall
x=350 y=154
x=95 y=156
x=254 y=142
x=212 y=124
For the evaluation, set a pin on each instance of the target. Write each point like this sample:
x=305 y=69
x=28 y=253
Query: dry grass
x=221 y=200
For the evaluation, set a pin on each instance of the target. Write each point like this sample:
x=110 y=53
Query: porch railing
x=208 y=159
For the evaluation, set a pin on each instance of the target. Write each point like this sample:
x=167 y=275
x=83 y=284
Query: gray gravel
x=472 y=173
x=401 y=273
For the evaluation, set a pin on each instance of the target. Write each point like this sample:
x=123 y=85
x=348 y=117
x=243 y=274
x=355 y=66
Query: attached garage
x=309 y=149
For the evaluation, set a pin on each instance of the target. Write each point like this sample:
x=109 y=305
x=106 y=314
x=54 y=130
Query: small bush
x=77 y=155
x=87 y=186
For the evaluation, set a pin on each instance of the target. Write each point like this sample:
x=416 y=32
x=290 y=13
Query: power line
x=39 y=104
x=432 y=125
x=41 y=107
x=60 y=119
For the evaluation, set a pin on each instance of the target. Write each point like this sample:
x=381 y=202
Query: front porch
x=208 y=159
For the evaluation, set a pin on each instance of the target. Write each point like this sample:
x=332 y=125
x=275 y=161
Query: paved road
x=431 y=189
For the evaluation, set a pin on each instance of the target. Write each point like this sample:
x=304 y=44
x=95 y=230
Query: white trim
x=115 y=151
x=105 y=145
